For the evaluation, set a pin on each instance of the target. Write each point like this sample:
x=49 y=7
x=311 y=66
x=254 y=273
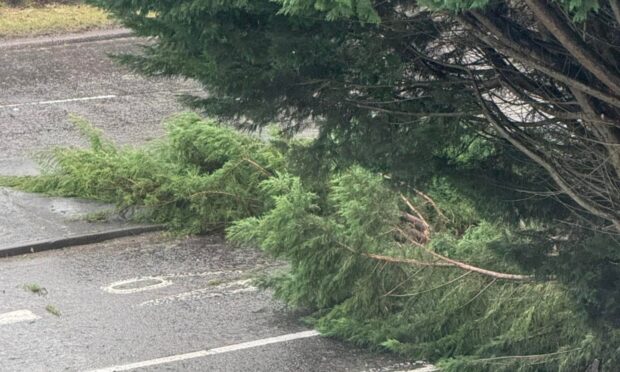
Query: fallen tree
x=424 y=274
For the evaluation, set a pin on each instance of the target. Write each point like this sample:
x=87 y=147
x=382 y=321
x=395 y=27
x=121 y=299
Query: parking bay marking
x=93 y=98
x=51 y=102
x=208 y=352
x=209 y=292
x=17 y=316
x=148 y=283
x=125 y=286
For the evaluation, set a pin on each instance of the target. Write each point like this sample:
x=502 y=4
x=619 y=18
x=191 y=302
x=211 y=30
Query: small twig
x=409 y=261
x=536 y=356
x=214 y=192
x=404 y=281
x=468 y=267
x=479 y=293
x=255 y=164
x=420 y=222
x=390 y=259
x=434 y=288
x=432 y=203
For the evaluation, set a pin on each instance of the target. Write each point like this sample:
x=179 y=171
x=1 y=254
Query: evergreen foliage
x=201 y=177
x=339 y=225
x=518 y=73
x=465 y=320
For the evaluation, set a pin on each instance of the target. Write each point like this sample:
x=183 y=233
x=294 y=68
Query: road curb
x=71 y=241
x=84 y=37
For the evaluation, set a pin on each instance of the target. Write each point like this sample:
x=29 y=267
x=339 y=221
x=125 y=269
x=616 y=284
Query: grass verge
x=50 y=19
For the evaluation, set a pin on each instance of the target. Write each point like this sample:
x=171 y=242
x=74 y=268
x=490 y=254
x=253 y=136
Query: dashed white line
x=110 y=96
x=205 y=353
x=17 y=316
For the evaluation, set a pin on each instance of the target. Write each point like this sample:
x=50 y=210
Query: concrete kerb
x=71 y=241
x=63 y=39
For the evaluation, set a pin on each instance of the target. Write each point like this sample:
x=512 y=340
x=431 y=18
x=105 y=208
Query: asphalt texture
x=136 y=299
x=27 y=218
x=41 y=86
x=114 y=311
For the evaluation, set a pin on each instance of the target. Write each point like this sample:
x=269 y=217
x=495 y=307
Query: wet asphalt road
x=195 y=294
x=41 y=86
x=27 y=218
x=138 y=299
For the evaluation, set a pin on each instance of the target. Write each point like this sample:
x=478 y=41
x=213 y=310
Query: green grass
x=50 y=19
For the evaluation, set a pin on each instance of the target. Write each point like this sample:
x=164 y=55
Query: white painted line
x=163 y=281
x=418 y=366
x=205 y=353
x=58 y=101
x=202 y=274
x=208 y=292
x=94 y=98
x=17 y=316
x=113 y=288
x=426 y=368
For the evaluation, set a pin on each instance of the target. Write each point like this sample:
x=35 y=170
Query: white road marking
x=113 y=288
x=205 y=353
x=202 y=274
x=59 y=101
x=418 y=366
x=426 y=368
x=162 y=279
x=95 y=98
x=17 y=316
x=208 y=292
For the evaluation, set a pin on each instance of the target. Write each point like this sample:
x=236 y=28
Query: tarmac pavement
x=148 y=302
x=27 y=219
x=42 y=84
x=157 y=303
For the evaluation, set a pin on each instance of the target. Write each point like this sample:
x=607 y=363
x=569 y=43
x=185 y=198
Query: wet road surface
x=41 y=86
x=27 y=218
x=135 y=300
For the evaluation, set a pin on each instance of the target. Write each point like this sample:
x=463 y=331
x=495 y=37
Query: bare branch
x=546 y=14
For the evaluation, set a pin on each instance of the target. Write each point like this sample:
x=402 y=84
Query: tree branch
x=530 y=58
x=555 y=175
x=546 y=14
x=464 y=266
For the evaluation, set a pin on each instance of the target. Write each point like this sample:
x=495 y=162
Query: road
x=135 y=300
x=42 y=85
x=139 y=303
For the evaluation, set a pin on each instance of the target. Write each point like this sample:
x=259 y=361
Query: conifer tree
x=503 y=111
